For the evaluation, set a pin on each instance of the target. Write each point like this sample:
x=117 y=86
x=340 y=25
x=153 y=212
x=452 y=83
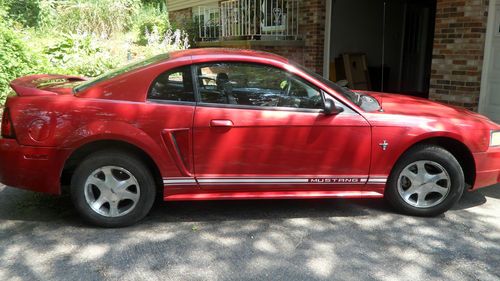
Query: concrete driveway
x=41 y=238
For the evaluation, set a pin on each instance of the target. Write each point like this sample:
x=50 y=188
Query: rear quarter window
x=173 y=85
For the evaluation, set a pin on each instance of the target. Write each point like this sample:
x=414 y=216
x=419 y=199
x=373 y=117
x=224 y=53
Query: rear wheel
x=112 y=189
x=426 y=181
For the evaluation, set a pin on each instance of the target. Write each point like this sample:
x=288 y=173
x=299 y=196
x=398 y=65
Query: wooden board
x=356 y=71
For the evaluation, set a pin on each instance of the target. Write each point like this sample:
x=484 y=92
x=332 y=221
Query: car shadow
x=28 y=206
x=21 y=205
x=264 y=209
x=478 y=197
x=492 y=191
x=469 y=200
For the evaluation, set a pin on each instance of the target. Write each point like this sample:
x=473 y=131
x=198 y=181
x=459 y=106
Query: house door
x=490 y=92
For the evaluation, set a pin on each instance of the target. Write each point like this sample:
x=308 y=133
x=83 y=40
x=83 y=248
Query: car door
x=257 y=126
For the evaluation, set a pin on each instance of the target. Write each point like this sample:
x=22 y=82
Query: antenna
x=383 y=49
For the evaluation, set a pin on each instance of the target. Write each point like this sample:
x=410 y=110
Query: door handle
x=221 y=123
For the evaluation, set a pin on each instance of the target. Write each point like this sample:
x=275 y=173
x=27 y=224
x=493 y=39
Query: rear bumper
x=33 y=168
x=487 y=168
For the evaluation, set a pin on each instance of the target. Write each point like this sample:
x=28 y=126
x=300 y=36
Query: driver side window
x=255 y=85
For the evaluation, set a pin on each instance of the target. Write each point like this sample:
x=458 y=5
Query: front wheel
x=426 y=181
x=112 y=189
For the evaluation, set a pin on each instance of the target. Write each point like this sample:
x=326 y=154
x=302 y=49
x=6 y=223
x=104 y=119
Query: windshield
x=346 y=92
x=119 y=71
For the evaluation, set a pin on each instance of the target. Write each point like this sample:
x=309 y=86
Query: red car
x=209 y=124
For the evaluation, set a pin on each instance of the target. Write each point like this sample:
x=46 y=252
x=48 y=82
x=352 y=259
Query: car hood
x=414 y=106
x=420 y=111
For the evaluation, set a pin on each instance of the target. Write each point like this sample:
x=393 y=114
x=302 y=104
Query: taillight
x=7 y=128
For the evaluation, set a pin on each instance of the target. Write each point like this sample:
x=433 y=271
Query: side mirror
x=331 y=108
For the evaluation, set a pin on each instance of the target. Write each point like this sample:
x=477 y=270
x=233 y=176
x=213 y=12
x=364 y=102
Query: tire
x=112 y=189
x=426 y=181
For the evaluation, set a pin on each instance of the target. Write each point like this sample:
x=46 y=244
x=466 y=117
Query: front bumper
x=33 y=168
x=487 y=167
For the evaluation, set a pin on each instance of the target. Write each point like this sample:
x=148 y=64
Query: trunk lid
x=45 y=85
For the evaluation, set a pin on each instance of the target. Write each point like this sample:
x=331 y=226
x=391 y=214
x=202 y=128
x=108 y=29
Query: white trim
x=179 y=181
x=327 y=42
x=490 y=29
x=175 y=5
x=318 y=180
x=377 y=181
x=253 y=180
x=292 y=177
x=273 y=182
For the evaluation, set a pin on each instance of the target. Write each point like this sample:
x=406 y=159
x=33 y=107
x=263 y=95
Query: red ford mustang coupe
x=208 y=124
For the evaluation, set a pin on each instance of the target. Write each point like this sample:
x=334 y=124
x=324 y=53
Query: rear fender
x=123 y=132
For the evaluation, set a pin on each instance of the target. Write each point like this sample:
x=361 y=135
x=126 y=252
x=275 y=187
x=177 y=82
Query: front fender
x=399 y=140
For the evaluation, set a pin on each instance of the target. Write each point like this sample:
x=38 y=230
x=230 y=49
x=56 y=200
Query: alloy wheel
x=424 y=184
x=112 y=191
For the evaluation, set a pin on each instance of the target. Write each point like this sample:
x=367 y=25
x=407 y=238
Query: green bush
x=23 y=11
x=80 y=54
x=30 y=13
x=102 y=17
x=100 y=35
x=152 y=18
x=153 y=2
x=15 y=58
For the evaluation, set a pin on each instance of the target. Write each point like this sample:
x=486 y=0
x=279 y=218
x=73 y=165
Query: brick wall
x=312 y=28
x=312 y=32
x=293 y=53
x=458 y=52
x=182 y=19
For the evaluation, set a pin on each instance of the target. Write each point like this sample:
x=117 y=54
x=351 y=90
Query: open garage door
x=389 y=40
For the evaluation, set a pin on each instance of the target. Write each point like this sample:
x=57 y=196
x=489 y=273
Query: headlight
x=495 y=138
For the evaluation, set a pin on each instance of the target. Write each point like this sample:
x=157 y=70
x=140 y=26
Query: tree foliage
x=80 y=37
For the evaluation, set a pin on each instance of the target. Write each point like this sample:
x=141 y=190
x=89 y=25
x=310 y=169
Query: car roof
x=198 y=54
x=207 y=52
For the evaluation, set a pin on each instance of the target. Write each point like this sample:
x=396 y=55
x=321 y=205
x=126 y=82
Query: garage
x=443 y=50
x=383 y=45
